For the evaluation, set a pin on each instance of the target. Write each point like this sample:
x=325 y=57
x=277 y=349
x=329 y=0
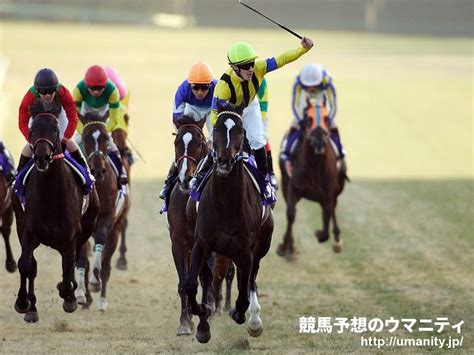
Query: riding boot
x=23 y=161
x=262 y=165
x=271 y=173
x=172 y=174
x=117 y=159
x=129 y=156
x=334 y=134
x=291 y=138
x=201 y=171
x=77 y=155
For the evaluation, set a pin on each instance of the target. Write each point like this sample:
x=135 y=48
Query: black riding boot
x=203 y=167
x=262 y=164
x=172 y=173
x=271 y=173
x=23 y=161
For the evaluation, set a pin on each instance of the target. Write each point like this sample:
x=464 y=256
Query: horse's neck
x=310 y=159
x=54 y=184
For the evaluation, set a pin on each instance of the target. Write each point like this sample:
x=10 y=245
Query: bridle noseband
x=203 y=143
x=96 y=152
x=52 y=155
x=240 y=155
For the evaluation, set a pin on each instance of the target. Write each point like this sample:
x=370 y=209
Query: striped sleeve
x=331 y=94
x=296 y=95
x=284 y=58
x=221 y=94
x=179 y=102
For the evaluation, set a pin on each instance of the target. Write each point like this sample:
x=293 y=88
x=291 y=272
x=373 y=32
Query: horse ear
x=240 y=108
x=201 y=122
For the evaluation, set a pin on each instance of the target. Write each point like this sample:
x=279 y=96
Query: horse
x=231 y=221
x=114 y=205
x=6 y=221
x=190 y=147
x=52 y=212
x=315 y=177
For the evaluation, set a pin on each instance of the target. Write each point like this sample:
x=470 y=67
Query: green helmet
x=240 y=53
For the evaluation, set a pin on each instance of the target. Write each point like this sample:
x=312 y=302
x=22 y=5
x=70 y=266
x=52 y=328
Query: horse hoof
x=281 y=250
x=255 y=332
x=81 y=297
x=10 y=266
x=102 y=304
x=337 y=248
x=70 y=307
x=121 y=263
x=22 y=307
x=203 y=337
x=236 y=316
x=183 y=330
x=322 y=237
x=31 y=317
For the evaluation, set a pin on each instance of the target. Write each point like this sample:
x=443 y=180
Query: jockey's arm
x=274 y=63
x=179 y=103
x=24 y=114
x=221 y=94
x=114 y=105
x=331 y=95
x=70 y=108
x=77 y=96
x=295 y=102
x=262 y=96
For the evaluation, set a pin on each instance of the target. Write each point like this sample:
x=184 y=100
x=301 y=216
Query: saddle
x=79 y=172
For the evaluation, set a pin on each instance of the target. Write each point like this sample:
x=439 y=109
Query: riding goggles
x=96 y=88
x=200 y=87
x=47 y=91
x=246 y=66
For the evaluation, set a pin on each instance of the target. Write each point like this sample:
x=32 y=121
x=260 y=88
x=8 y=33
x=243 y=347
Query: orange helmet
x=96 y=76
x=200 y=73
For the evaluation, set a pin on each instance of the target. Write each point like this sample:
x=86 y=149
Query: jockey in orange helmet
x=193 y=98
x=96 y=93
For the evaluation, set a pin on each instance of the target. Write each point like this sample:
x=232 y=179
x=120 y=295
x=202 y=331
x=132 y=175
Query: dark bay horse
x=315 y=177
x=114 y=204
x=52 y=215
x=231 y=221
x=6 y=221
x=190 y=147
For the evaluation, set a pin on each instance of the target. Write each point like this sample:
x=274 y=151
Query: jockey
x=240 y=84
x=262 y=96
x=98 y=94
x=6 y=163
x=193 y=98
x=48 y=89
x=124 y=94
x=314 y=82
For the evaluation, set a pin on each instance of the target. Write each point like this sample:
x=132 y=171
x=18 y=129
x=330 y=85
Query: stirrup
x=164 y=192
x=123 y=179
x=273 y=180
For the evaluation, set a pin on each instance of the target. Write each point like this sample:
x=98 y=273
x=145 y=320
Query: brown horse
x=231 y=221
x=114 y=205
x=52 y=215
x=315 y=177
x=190 y=147
x=6 y=221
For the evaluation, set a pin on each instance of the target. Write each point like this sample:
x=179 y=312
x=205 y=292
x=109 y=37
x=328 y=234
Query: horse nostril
x=104 y=171
x=93 y=171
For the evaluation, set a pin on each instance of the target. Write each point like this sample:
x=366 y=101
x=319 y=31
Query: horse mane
x=228 y=106
x=92 y=116
x=188 y=119
x=39 y=106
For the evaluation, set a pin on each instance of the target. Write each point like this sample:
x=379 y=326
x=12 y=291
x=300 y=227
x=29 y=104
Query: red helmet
x=96 y=76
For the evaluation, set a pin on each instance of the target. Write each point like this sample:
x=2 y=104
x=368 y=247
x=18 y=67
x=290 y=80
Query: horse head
x=96 y=142
x=189 y=147
x=314 y=127
x=44 y=133
x=228 y=137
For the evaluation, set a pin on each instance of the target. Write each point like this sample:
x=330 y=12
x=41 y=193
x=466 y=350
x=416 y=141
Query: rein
x=185 y=156
x=95 y=152
x=229 y=113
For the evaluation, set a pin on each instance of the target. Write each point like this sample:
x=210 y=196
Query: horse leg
x=220 y=271
x=323 y=235
x=255 y=326
x=244 y=267
x=68 y=285
x=104 y=226
x=287 y=248
x=7 y=220
x=121 y=263
x=81 y=267
x=337 y=247
x=228 y=282
x=199 y=257
x=179 y=262
x=110 y=246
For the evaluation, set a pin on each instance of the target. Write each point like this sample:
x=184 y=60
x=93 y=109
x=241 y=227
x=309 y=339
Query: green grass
x=405 y=113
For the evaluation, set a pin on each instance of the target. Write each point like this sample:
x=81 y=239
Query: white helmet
x=311 y=75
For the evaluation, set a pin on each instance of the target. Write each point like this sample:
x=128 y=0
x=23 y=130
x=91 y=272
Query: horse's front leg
x=68 y=285
x=199 y=256
x=220 y=272
x=337 y=247
x=287 y=248
x=104 y=226
x=82 y=264
x=26 y=301
x=244 y=267
x=121 y=263
x=327 y=211
x=7 y=220
x=179 y=258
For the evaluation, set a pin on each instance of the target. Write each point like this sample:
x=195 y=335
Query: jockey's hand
x=64 y=144
x=307 y=42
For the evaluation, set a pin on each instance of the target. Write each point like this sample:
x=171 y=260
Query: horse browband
x=230 y=113
x=94 y=122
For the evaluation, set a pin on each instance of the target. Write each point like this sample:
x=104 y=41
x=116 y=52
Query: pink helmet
x=117 y=80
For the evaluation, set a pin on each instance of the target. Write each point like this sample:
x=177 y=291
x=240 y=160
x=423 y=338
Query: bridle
x=239 y=156
x=202 y=139
x=95 y=152
x=53 y=146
